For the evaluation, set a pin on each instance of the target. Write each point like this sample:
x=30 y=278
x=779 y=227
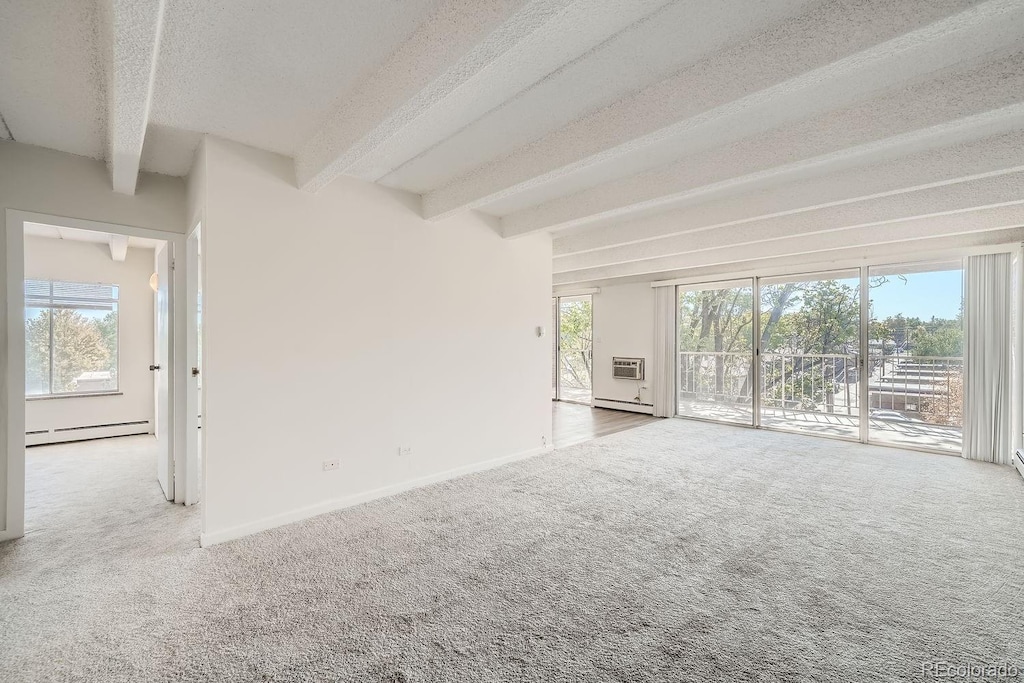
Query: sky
x=923 y=295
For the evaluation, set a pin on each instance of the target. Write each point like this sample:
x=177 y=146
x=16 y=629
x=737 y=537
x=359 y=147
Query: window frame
x=31 y=301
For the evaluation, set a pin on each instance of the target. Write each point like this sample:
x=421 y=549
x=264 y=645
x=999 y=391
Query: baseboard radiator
x=38 y=437
x=1018 y=461
x=631 y=406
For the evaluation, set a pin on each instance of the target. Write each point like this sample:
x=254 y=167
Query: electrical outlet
x=404 y=450
x=331 y=464
x=543 y=441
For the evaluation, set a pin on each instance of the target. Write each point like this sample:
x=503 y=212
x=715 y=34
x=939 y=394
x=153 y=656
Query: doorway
x=93 y=336
x=572 y=349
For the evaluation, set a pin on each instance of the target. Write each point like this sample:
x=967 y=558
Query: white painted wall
x=54 y=259
x=54 y=183
x=45 y=181
x=623 y=326
x=342 y=325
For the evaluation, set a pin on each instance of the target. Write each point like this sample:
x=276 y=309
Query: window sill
x=82 y=395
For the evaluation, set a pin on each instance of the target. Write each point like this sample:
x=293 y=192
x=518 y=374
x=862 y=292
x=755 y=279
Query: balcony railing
x=810 y=382
x=900 y=387
x=715 y=376
x=924 y=388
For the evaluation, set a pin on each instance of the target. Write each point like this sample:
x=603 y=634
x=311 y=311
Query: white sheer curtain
x=664 y=351
x=988 y=316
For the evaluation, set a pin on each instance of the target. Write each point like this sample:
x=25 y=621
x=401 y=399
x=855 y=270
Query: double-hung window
x=70 y=338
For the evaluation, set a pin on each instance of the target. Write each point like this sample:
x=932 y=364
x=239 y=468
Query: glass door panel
x=715 y=339
x=915 y=342
x=810 y=345
x=575 y=348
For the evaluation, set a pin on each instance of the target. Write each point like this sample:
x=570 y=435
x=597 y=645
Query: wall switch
x=404 y=450
x=331 y=464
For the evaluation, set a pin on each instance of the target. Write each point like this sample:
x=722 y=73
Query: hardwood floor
x=574 y=423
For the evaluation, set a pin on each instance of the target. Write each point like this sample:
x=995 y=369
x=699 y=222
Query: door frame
x=557 y=301
x=163 y=260
x=195 y=406
x=12 y=356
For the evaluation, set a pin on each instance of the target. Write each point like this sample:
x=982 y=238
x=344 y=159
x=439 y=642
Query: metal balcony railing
x=923 y=388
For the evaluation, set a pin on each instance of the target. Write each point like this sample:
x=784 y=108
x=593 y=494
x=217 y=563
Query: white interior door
x=193 y=352
x=161 y=368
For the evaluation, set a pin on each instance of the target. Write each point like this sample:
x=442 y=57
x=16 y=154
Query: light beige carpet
x=678 y=551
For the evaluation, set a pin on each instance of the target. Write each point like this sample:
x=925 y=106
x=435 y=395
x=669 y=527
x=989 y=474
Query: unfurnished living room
x=511 y=340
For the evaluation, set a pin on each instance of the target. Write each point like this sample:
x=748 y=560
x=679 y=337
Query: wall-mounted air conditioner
x=627 y=368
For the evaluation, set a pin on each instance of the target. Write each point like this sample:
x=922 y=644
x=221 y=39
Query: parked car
x=891 y=416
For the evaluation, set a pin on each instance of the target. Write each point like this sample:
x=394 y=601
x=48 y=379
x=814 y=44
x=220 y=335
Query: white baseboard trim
x=624 y=405
x=242 y=530
x=85 y=433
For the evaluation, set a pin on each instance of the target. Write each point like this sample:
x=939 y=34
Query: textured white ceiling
x=52 y=84
x=59 y=232
x=266 y=73
x=652 y=137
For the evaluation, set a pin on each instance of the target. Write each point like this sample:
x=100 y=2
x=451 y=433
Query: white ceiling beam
x=892 y=252
x=960 y=222
x=643 y=53
x=119 y=247
x=984 y=190
x=134 y=28
x=964 y=105
x=464 y=60
x=896 y=208
x=538 y=54
x=735 y=95
x=946 y=165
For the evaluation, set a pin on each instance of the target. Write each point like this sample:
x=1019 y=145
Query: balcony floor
x=910 y=433
x=576 y=395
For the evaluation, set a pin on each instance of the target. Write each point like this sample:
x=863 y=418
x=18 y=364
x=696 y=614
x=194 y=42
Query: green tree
x=37 y=353
x=713 y=324
x=107 y=326
x=577 y=343
x=946 y=340
x=816 y=328
x=78 y=346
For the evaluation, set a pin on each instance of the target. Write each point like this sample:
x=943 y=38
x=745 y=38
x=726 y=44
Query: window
x=70 y=338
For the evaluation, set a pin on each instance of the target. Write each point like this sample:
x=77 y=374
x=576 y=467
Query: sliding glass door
x=573 y=349
x=810 y=346
x=715 y=338
x=874 y=353
x=916 y=337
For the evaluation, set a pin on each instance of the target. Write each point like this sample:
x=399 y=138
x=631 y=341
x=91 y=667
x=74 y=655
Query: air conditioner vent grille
x=627 y=368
